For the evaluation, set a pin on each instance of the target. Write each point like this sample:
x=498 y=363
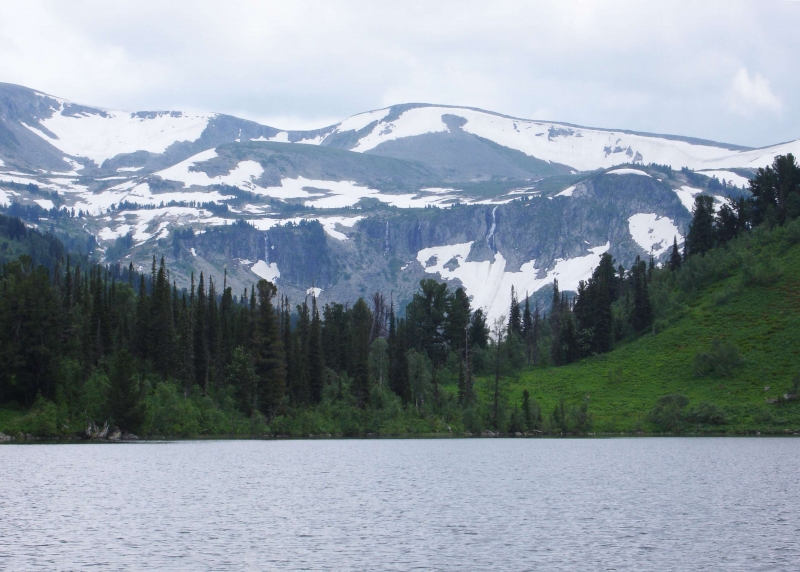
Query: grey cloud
x=659 y=67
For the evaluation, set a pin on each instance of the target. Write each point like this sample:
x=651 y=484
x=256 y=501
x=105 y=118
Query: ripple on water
x=643 y=504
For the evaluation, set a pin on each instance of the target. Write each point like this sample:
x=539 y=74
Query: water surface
x=461 y=504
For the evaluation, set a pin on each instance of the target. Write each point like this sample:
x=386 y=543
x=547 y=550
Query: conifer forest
x=86 y=345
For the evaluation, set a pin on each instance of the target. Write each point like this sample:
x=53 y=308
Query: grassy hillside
x=751 y=299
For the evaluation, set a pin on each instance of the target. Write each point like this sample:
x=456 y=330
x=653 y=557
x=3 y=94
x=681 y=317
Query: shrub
x=472 y=420
x=580 y=418
x=707 y=414
x=516 y=421
x=722 y=360
x=40 y=420
x=759 y=272
x=667 y=415
x=722 y=297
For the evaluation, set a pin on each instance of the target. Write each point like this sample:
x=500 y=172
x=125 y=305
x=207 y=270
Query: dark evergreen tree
x=702 y=233
x=269 y=359
x=125 y=393
x=362 y=327
x=201 y=355
x=642 y=314
x=514 y=315
x=675 y=260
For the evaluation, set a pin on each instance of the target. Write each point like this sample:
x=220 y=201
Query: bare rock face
x=4 y=437
x=115 y=434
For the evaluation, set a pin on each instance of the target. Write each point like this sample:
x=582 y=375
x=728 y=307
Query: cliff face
x=526 y=242
x=376 y=202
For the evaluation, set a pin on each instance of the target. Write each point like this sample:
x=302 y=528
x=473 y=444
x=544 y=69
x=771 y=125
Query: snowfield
x=241 y=176
x=489 y=284
x=100 y=136
x=729 y=176
x=266 y=271
x=686 y=195
x=581 y=148
x=628 y=172
x=653 y=233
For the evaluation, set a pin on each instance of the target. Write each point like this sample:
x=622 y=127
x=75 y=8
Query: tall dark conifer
x=316 y=365
x=268 y=354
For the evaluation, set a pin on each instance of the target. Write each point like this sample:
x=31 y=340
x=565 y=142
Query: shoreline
x=419 y=436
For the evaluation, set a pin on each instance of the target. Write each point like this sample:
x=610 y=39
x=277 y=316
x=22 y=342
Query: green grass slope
x=756 y=307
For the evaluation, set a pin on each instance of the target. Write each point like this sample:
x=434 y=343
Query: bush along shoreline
x=699 y=344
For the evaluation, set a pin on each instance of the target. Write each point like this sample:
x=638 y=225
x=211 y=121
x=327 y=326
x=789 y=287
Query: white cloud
x=646 y=66
x=749 y=94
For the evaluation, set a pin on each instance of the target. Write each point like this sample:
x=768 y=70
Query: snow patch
x=280 y=137
x=266 y=271
x=329 y=224
x=566 y=192
x=653 y=233
x=686 y=196
x=729 y=176
x=627 y=172
x=488 y=282
x=241 y=176
x=46 y=204
x=358 y=122
x=102 y=135
x=193 y=251
x=314 y=292
x=417 y=121
x=5 y=196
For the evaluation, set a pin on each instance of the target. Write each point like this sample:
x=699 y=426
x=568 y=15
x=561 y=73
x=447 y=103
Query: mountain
x=376 y=202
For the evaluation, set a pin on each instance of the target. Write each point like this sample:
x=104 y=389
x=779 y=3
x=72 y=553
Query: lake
x=443 y=504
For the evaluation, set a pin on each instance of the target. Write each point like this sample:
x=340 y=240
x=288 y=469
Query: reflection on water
x=506 y=504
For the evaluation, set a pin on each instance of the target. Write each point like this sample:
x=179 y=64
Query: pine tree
x=316 y=364
x=642 y=314
x=162 y=328
x=300 y=346
x=362 y=326
x=701 y=235
x=514 y=315
x=268 y=354
x=527 y=328
x=555 y=326
x=125 y=393
x=675 y=256
x=201 y=356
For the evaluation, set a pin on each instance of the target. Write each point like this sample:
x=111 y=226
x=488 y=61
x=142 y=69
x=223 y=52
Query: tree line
x=101 y=341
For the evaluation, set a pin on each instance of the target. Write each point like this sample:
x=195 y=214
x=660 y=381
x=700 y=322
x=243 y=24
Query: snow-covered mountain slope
x=376 y=202
x=580 y=148
x=99 y=135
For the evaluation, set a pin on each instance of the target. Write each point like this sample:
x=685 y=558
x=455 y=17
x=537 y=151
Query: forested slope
x=728 y=341
x=705 y=343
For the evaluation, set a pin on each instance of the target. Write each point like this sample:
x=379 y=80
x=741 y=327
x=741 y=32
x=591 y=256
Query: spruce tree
x=675 y=256
x=514 y=315
x=316 y=364
x=268 y=353
x=701 y=235
x=201 y=356
x=125 y=393
x=362 y=326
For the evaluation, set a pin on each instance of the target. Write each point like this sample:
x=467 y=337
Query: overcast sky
x=722 y=70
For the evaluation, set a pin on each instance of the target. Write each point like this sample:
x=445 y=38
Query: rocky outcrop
x=94 y=433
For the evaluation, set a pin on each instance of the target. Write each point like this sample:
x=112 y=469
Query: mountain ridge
x=136 y=183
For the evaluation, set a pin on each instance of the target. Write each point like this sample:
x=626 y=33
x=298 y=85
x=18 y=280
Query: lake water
x=461 y=504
